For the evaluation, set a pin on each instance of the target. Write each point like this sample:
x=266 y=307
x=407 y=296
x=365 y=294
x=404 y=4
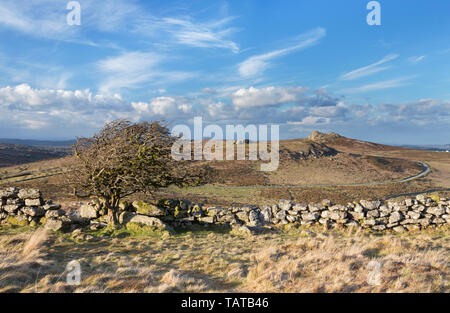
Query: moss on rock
x=148 y=209
x=17 y=221
x=140 y=230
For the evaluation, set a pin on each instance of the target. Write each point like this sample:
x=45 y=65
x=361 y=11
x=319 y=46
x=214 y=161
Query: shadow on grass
x=202 y=229
x=143 y=231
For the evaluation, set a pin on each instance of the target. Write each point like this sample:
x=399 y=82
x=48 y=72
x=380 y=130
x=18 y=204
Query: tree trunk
x=113 y=214
x=113 y=219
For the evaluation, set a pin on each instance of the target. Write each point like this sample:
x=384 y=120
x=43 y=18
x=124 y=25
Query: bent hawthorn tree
x=125 y=158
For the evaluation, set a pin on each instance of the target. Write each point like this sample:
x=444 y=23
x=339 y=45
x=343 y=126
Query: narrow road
x=426 y=170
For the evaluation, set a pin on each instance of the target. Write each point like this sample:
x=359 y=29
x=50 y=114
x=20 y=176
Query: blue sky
x=304 y=65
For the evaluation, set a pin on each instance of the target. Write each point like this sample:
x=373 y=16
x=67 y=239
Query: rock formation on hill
x=307 y=150
x=317 y=136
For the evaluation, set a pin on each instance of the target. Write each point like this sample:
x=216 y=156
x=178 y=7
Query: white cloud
x=217 y=110
x=23 y=107
x=210 y=91
x=385 y=84
x=128 y=70
x=133 y=69
x=309 y=121
x=163 y=106
x=34 y=125
x=257 y=97
x=13 y=19
x=257 y=64
x=110 y=16
x=314 y=120
x=130 y=61
x=424 y=111
x=369 y=69
x=416 y=59
x=19 y=69
x=41 y=19
x=202 y=35
x=78 y=111
x=69 y=113
x=338 y=110
x=47 y=19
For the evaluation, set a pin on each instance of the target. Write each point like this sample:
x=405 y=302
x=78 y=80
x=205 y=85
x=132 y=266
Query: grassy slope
x=297 y=260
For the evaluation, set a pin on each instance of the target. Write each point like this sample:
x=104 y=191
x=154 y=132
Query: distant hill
x=15 y=154
x=334 y=138
x=37 y=143
x=429 y=147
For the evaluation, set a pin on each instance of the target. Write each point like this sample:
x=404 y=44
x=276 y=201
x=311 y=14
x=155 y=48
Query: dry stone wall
x=26 y=206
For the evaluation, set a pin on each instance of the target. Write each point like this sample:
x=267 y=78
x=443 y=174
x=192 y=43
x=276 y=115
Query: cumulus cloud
x=424 y=111
x=339 y=110
x=313 y=120
x=26 y=110
x=163 y=106
x=257 y=97
x=25 y=98
x=319 y=97
x=46 y=108
x=257 y=64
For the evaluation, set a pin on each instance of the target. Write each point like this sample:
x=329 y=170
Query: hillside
x=38 y=143
x=445 y=148
x=322 y=165
x=15 y=154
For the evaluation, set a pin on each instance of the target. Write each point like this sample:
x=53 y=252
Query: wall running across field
x=26 y=207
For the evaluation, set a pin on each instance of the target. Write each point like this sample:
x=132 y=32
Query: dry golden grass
x=343 y=265
x=21 y=259
x=296 y=260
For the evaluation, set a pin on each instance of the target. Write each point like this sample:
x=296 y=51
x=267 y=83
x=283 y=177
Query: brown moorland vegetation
x=296 y=260
x=328 y=168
